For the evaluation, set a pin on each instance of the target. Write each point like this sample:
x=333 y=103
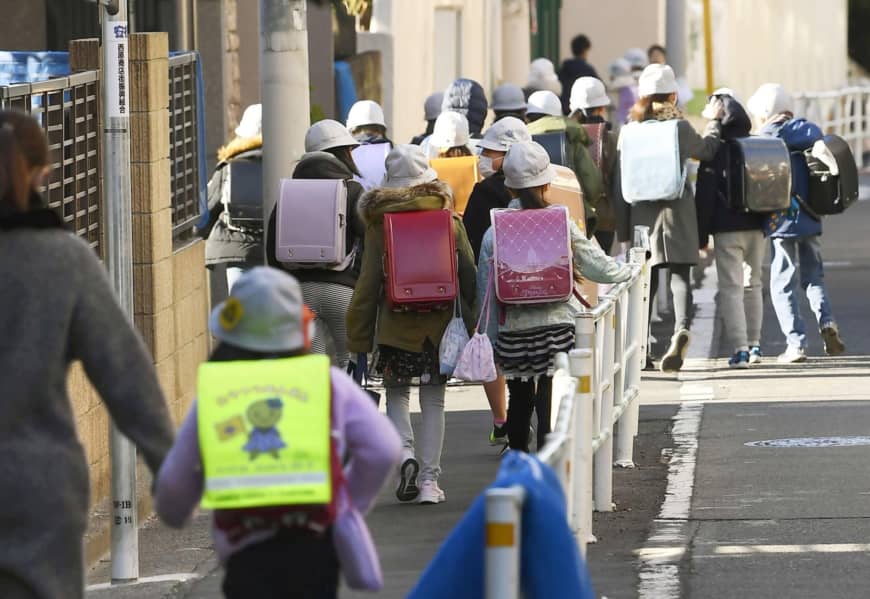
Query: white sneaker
x=792 y=355
x=673 y=360
x=431 y=493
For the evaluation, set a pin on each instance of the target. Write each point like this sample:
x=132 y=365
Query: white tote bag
x=477 y=362
x=453 y=341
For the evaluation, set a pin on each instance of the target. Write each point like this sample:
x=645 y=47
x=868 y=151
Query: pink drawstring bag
x=477 y=363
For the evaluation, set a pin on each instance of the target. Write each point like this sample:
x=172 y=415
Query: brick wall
x=169 y=279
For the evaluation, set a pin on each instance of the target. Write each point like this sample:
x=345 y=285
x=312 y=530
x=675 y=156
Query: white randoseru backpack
x=650 y=165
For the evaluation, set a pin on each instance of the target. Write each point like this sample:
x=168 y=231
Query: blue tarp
x=29 y=67
x=345 y=89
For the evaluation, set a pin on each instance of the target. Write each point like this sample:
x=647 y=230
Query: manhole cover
x=812 y=442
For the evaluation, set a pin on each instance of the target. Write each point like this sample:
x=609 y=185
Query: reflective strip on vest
x=264 y=432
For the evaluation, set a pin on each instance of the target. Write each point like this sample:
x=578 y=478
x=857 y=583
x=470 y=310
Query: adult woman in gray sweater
x=56 y=307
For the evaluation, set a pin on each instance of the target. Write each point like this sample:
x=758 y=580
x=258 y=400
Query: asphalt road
x=788 y=521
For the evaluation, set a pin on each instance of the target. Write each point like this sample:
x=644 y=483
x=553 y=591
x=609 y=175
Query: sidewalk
x=409 y=535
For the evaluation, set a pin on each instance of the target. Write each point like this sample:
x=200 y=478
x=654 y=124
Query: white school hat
x=503 y=134
x=264 y=312
x=657 y=79
x=544 y=102
x=770 y=99
x=588 y=92
x=527 y=164
x=365 y=112
x=326 y=135
x=451 y=130
x=252 y=122
x=408 y=166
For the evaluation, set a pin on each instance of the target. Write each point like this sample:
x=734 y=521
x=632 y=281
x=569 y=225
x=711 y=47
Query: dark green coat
x=403 y=330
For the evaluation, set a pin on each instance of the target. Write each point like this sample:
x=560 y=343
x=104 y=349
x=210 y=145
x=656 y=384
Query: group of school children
x=389 y=194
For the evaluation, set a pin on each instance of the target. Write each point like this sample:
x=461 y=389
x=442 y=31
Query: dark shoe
x=498 y=435
x=834 y=345
x=407 y=489
x=673 y=360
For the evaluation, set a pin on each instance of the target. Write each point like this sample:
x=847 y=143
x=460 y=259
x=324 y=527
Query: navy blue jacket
x=798 y=135
x=715 y=214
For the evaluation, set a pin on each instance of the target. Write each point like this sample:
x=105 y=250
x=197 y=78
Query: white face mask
x=484 y=165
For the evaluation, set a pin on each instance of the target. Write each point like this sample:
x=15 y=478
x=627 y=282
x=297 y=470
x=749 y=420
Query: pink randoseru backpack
x=533 y=255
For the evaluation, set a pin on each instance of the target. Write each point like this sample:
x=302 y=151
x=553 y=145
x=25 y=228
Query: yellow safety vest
x=264 y=432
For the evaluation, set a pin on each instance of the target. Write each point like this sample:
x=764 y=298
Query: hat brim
x=543 y=178
x=508 y=107
x=427 y=176
x=483 y=144
x=278 y=340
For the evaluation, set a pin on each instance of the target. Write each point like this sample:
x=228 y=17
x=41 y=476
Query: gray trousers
x=432 y=432
x=738 y=265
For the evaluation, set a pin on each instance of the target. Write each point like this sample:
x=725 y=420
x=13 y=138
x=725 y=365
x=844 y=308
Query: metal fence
x=596 y=390
x=68 y=108
x=184 y=143
x=844 y=112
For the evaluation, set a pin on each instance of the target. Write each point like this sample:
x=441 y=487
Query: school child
x=738 y=238
x=467 y=97
x=672 y=221
x=450 y=138
x=431 y=110
x=532 y=334
x=795 y=235
x=263 y=445
x=407 y=337
x=367 y=124
x=486 y=195
x=589 y=104
x=578 y=159
x=326 y=290
x=623 y=85
x=542 y=76
x=508 y=100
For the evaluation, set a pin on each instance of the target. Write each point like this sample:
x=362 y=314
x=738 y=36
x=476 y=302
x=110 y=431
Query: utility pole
x=708 y=46
x=117 y=203
x=675 y=36
x=284 y=91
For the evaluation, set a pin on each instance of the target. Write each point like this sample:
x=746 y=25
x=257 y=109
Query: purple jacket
x=361 y=432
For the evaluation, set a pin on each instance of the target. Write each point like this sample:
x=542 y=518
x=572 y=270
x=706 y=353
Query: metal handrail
x=597 y=390
x=844 y=112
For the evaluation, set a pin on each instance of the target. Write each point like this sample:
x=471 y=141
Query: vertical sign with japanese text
x=117 y=99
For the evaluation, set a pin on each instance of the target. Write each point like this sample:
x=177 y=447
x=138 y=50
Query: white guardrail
x=595 y=393
x=844 y=112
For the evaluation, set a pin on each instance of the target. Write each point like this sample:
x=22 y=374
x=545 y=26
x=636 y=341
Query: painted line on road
x=780 y=549
x=180 y=577
x=660 y=558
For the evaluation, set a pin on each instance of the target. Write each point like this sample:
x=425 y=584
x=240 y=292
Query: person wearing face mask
x=486 y=195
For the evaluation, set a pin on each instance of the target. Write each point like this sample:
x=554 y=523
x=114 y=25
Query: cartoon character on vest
x=265 y=438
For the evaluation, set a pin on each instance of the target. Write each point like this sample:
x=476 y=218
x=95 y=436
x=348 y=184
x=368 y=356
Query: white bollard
x=581 y=368
x=503 y=525
x=624 y=428
x=603 y=490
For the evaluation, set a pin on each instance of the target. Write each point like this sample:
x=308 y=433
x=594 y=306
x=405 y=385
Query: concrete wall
x=23 y=26
x=613 y=27
x=412 y=51
x=799 y=43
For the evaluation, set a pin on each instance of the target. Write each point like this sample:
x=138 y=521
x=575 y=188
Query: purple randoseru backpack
x=533 y=255
x=311 y=224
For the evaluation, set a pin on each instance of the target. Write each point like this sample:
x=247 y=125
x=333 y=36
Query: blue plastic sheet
x=29 y=67
x=345 y=89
